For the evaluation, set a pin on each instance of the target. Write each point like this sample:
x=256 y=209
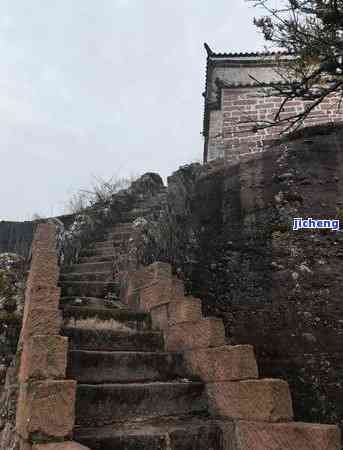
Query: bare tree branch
x=311 y=31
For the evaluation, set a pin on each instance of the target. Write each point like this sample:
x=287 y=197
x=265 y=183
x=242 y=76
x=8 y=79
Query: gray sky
x=104 y=87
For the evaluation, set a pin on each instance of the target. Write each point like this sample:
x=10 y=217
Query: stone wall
x=229 y=238
x=46 y=400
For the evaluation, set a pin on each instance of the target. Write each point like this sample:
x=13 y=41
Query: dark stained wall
x=16 y=237
x=275 y=288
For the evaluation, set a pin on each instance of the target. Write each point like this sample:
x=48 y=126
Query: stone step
x=87 y=288
x=95 y=259
x=91 y=302
x=109 y=243
x=94 y=367
x=123 y=235
x=104 y=251
x=89 y=267
x=111 y=340
x=286 y=436
x=121 y=227
x=86 y=276
x=98 y=405
x=182 y=433
x=204 y=433
x=133 y=319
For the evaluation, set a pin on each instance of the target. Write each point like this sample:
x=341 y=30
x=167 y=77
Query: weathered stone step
x=89 y=267
x=86 y=276
x=182 y=433
x=87 y=288
x=98 y=405
x=90 y=302
x=123 y=227
x=123 y=235
x=95 y=259
x=104 y=251
x=111 y=340
x=134 y=320
x=208 y=434
x=94 y=367
x=109 y=243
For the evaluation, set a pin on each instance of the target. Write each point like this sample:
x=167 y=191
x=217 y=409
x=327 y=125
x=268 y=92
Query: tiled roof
x=246 y=54
x=223 y=84
x=212 y=54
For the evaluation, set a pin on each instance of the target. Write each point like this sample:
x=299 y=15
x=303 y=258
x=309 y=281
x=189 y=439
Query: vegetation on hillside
x=101 y=191
x=12 y=282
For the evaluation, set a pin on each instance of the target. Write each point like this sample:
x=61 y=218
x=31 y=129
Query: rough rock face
x=149 y=183
x=12 y=286
x=8 y=405
x=11 y=282
x=226 y=229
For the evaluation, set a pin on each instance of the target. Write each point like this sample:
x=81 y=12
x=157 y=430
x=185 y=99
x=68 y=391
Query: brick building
x=239 y=88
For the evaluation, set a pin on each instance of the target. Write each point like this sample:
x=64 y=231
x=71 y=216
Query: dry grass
x=98 y=324
x=101 y=191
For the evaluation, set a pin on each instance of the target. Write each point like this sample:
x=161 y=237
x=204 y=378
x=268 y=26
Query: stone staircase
x=92 y=277
x=132 y=394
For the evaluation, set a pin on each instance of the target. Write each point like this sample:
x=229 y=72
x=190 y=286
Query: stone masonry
x=46 y=400
x=261 y=409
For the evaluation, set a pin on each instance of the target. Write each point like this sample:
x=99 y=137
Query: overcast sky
x=104 y=87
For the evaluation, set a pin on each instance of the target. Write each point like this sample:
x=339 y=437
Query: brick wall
x=230 y=138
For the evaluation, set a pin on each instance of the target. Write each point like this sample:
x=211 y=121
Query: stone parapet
x=144 y=278
x=225 y=363
x=203 y=333
x=249 y=435
x=267 y=400
x=46 y=409
x=160 y=292
x=186 y=309
x=255 y=413
x=46 y=401
x=44 y=357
